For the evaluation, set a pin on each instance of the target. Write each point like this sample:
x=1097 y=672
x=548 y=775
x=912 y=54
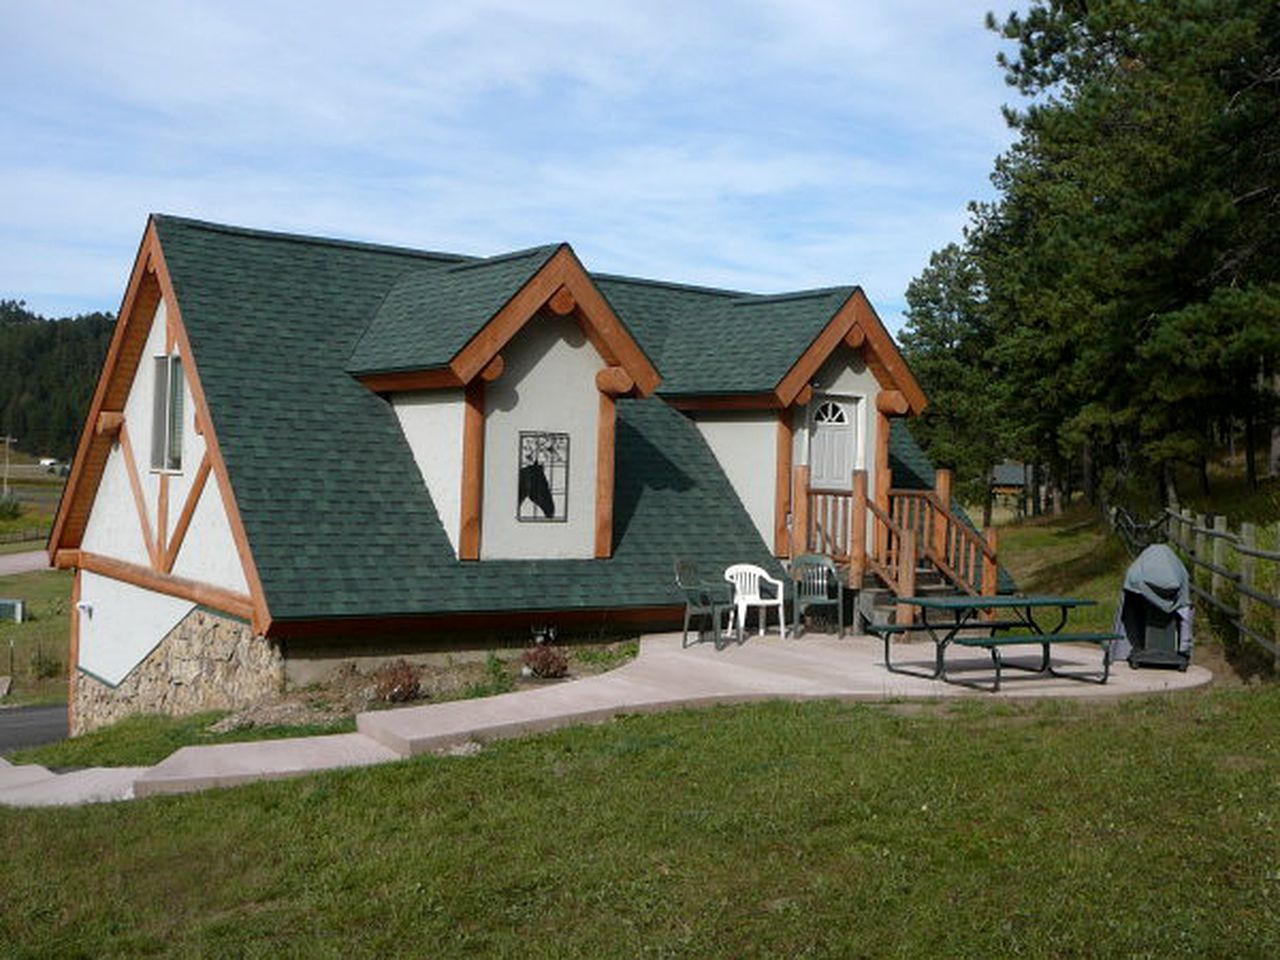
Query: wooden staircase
x=903 y=543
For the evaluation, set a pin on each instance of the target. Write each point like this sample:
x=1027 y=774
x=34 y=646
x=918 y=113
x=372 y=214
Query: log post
x=858 y=535
x=990 y=564
x=941 y=526
x=906 y=576
x=1201 y=553
x=800 y=512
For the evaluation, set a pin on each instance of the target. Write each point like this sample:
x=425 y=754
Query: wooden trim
x=109 y=423
x=782 y=484
x=66 y=558
x=563 y=272
x=141 y=295
x=228 y=601
x=139 y=500
x=606 y=429
x=493 y=370
x=990 y=566
x=804 y=396
x=398 y=380
x=188 y=511
x=472 y=472
x=73 y=653
x=259 y=614
x=883 y=348
x=162 y=519
x=734 y=401
x=614 y=381
x=942 y=488
x=876 y=346
x=439 y=623
x=892 y=402
x=856 y=336
x=800 y=512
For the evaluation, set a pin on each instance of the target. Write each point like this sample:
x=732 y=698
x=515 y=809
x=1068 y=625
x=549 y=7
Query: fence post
x=1275 y=587
x=941 y=527
x=858 y=535
x=1188 y=521
x=1249 y=539
x=1200 y=540
x=1219 y=554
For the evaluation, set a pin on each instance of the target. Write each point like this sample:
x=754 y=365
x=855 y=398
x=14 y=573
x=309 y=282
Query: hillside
x=48 y=369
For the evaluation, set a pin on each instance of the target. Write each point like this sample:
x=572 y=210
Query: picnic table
x=1012 y=621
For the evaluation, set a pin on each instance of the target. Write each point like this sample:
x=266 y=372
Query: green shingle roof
x=337 y=516
x=430 y=313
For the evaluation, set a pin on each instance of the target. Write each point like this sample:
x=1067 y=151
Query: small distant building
x=1009 y=485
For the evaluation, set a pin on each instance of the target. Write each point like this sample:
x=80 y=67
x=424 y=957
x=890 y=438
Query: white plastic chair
x=746 y=579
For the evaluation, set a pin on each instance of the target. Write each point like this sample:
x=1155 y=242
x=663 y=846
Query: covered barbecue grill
x=1156 y=611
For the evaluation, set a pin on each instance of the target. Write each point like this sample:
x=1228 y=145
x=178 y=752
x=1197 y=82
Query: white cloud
x=767 y=146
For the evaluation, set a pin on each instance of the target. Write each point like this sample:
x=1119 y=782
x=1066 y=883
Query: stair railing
x=964 y=556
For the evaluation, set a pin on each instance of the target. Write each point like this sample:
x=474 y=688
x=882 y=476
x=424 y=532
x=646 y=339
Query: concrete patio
x=665 y=676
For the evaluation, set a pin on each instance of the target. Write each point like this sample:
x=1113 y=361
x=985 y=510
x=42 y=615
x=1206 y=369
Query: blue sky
x=765 y=146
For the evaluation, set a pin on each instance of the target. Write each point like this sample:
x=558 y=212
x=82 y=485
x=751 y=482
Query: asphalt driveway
x=31 y=726
x=23 y=562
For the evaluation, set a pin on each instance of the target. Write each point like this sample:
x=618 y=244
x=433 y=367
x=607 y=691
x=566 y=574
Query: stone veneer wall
x=207 y=662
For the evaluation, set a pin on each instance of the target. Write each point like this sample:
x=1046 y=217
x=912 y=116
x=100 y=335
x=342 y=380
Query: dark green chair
x=817 y=584
x=703 y=598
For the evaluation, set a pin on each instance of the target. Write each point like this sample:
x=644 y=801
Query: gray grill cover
x=1159 y=576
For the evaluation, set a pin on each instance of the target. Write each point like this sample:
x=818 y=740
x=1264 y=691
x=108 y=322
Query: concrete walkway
x=23 y=562
x=663 y=677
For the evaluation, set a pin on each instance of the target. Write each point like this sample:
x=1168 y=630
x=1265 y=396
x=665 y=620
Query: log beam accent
x=990 y=566
x=188 y=511
x=73 y=653
x=892 y=402
x=493 y=370
x=782 y=486
x=614 y=381
x=942 y=487
x=856 y=337
x=606 y=431
x=472 y=472
x=162 y=519
x=228 y=601
x=805 y=395
x=562 y=302
x=109 y=423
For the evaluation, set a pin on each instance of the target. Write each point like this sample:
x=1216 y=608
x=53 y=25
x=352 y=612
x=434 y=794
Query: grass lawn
x=39 y=645
x=1073 y=555
x=1141 y=828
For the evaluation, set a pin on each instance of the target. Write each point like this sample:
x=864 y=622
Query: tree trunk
x=1035 y=490
x=1169 y=486
x=1273 y=461
x=1204 y=474
x=1088 y=480
x=986 y=509
x=1250 y=444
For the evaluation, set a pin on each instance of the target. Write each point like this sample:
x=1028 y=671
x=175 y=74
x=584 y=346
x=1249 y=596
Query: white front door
x=832 y=433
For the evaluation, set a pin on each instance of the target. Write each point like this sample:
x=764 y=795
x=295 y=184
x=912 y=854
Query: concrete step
x=11 y=776
x=231 y=764
x=94 y=785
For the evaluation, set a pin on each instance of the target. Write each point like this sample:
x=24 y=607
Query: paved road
x=23 y=562
x=31 y=726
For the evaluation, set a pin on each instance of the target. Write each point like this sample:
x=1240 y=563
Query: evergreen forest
x=1113 y=316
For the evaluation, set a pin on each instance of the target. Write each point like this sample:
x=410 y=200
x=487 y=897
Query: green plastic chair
x=703 y=598
x=817 y=584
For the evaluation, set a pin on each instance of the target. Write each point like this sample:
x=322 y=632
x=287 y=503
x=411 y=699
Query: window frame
x=167 y=425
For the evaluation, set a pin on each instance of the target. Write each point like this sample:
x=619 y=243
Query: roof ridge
x=670 y=285
x=303 y=238
x=752 y=299
x=547 y=248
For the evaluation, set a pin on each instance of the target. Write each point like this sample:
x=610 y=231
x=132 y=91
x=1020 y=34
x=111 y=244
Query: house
x=303 y=449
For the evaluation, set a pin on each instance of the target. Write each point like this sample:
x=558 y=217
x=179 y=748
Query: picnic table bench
x=1018 y=628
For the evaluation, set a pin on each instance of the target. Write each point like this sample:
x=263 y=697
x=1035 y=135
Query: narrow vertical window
x=166 y=420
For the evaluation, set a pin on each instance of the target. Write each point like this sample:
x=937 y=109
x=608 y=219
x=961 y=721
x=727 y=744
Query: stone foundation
x=207 y=662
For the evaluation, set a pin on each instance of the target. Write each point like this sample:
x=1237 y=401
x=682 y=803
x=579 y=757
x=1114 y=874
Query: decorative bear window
x=544 y=478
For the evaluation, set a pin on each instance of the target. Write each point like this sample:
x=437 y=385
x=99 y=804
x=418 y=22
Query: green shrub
x=10 y=507
x=545 y=661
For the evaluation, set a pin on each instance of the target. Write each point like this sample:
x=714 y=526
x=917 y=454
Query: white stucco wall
x=548 y=385
x=120 y=624
x=113 y=528
x=432 y=421
x=746 y=445
x=208 y=552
